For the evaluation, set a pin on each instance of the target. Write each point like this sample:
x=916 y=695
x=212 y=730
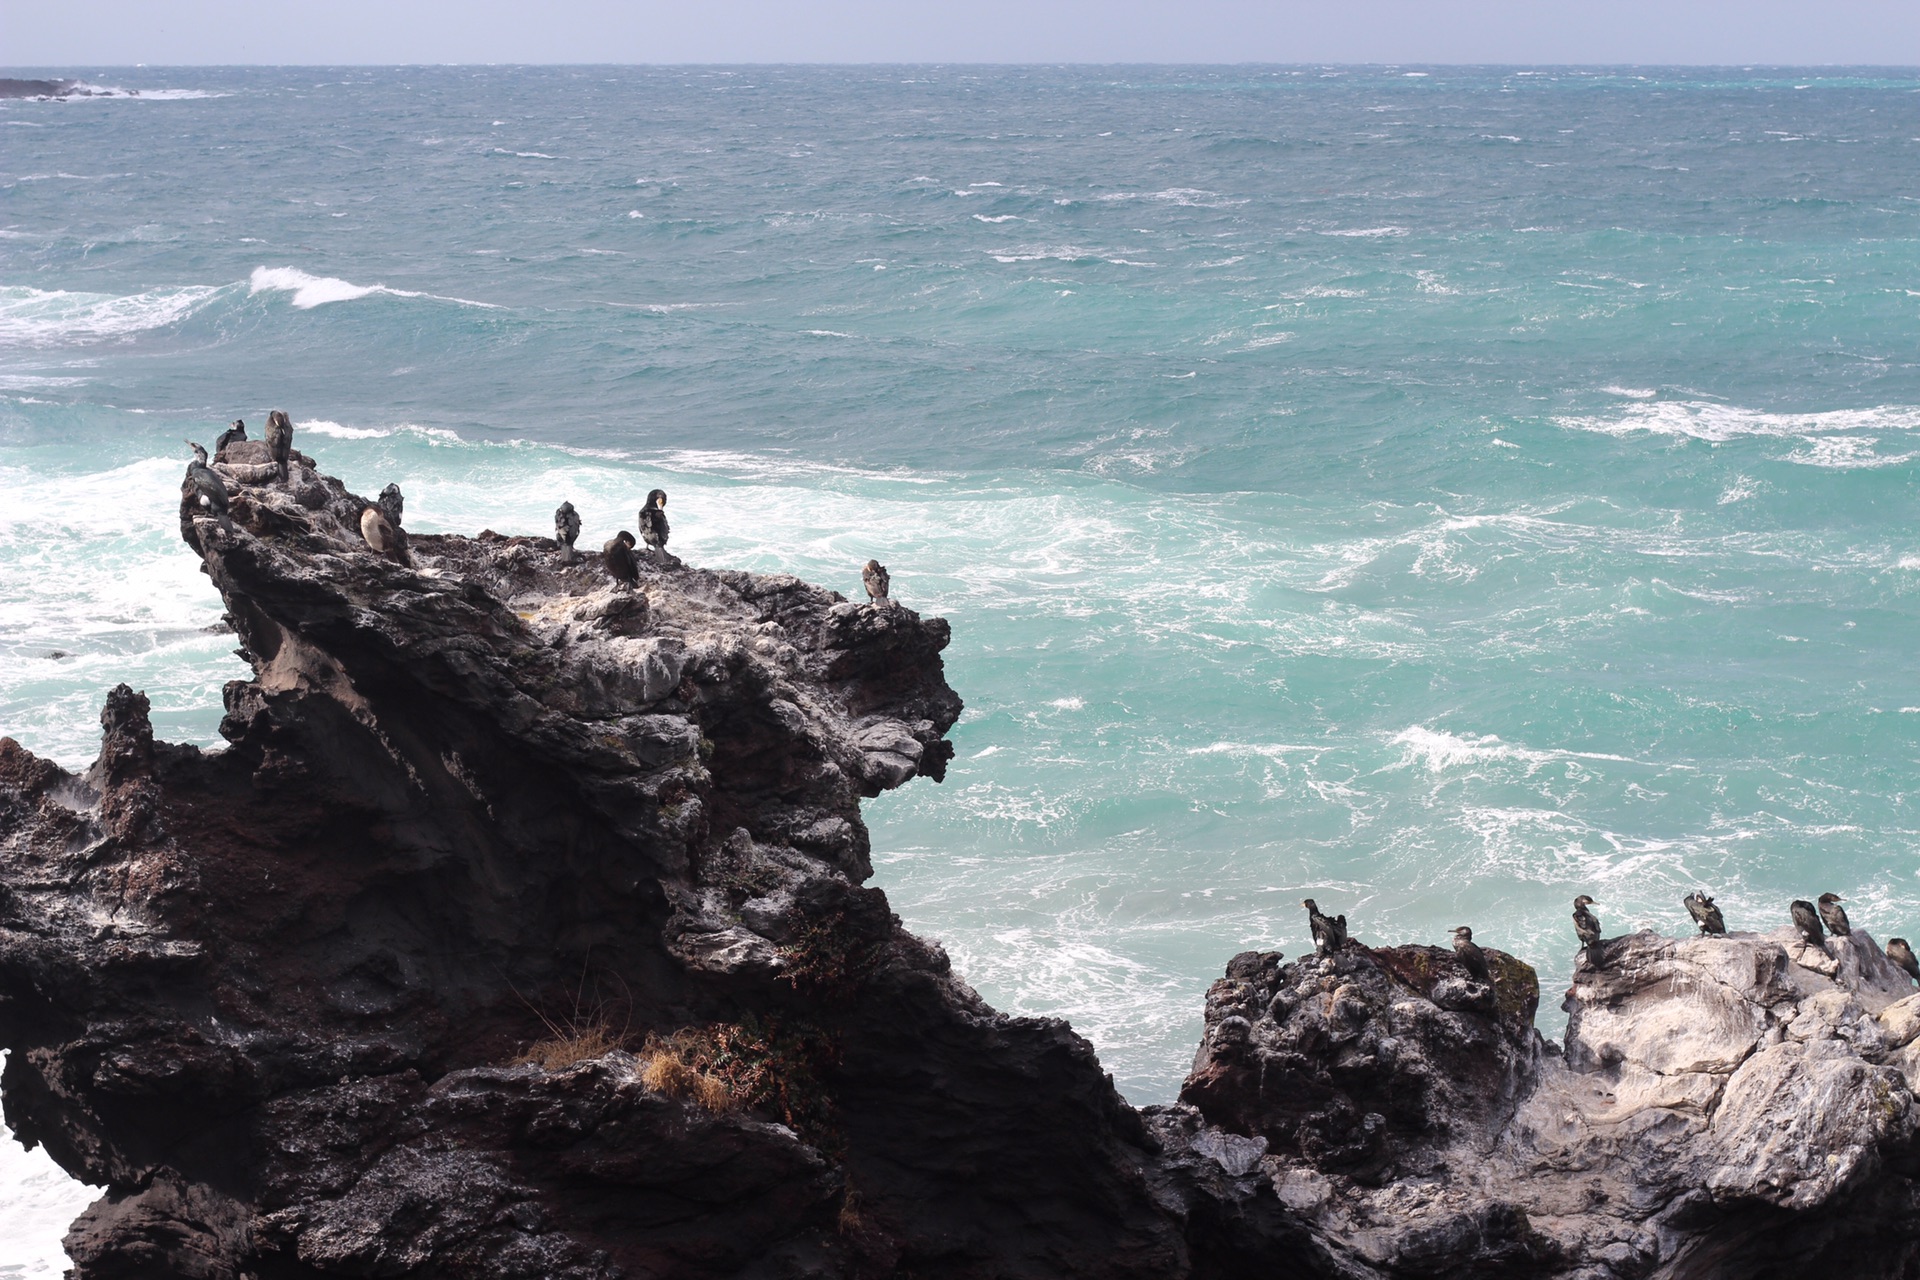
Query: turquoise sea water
x=1439 y=492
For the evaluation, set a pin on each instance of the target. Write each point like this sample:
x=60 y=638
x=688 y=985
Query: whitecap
x=1368 y=232
x=1845 y=453
x=39 y=317
x=1719 y=423
x=316 y=291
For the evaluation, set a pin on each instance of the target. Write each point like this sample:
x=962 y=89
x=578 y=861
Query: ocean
x=1435 y=491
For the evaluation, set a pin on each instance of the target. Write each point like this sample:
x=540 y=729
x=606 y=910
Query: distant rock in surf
x=58 y=89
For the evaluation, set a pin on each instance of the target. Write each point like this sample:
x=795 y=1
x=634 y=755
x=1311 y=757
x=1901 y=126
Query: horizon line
x=1040 y=63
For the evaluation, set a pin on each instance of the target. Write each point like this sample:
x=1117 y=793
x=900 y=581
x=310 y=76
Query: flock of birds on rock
x=1813 y=920
x=381 y=529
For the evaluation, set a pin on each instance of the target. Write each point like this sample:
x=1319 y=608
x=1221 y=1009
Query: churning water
x=1436 y=492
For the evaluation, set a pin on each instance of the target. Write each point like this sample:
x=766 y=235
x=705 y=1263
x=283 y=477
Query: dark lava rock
x=521 y=931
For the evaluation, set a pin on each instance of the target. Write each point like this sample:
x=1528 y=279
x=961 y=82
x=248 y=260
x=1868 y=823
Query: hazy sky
x=83 y=33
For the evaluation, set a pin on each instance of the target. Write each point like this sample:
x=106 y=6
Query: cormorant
x=232 y=435
x=1834 y=916
x=566 y=528
x=1901 y=954
x=1471 y=957
x=1704 y=913
x=280 y=440
x=391 y=504
x=1807 y=921
x=1586 y=925
x=1329 y=932
x=382 y=536
x=653 y=522
x=209 y=490
x=620 y=561
x=876 y=580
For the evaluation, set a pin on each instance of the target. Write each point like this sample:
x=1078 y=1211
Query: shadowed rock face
x=1735 y=1106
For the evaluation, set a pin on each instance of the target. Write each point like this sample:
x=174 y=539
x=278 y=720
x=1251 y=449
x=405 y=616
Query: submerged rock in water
x=521 y=931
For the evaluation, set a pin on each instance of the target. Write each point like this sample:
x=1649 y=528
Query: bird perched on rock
x=653 y=522
x=620 y=561
x=391 y=504
x=1901 y=954
x=1471 y=957
x=1834 y=916
x=1704 y=913
x=1586 y=926
x=208 y=490
x=232 y=435
x=877 y=582
x=1807 y=921
x=280 y=441
x=382 y=536
x=1329 y=932
x=566 y=528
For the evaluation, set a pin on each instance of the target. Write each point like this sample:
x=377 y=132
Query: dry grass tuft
x=584 y=1033
x=676 y=1067
x=566 y=1047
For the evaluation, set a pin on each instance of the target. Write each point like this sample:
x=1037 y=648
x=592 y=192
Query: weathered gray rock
x=1722 y=1107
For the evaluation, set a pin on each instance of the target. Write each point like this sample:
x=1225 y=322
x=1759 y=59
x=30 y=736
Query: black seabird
x=1834 y=916
x=232 y=435
x=209 y=491
x=1901 y=954
x=566 y=528
x=1471 y=957
x=391 y=504
x=653 y=522
x=874 y=576
x=1807 y=921
x=280 y=440
x=1329 y=932
x=1704 y=913
x=1586 y=926
x=620 y=561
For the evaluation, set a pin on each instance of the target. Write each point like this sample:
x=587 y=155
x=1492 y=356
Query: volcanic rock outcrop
x=521 y=931
x=1726 y=1107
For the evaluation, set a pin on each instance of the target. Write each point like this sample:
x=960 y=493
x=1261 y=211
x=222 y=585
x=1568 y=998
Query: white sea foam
x=314 y=291
x=1719 y=423
x=1062 y=253
x=45 y=318
x=1368 y=233
x=1439 y=750
x=1845 y=453
x=37 y=1206
x=1186 y=197
x=1000 y=217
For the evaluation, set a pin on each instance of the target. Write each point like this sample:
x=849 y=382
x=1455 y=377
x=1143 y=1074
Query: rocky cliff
x=1728 y=1107
x=521 y=931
